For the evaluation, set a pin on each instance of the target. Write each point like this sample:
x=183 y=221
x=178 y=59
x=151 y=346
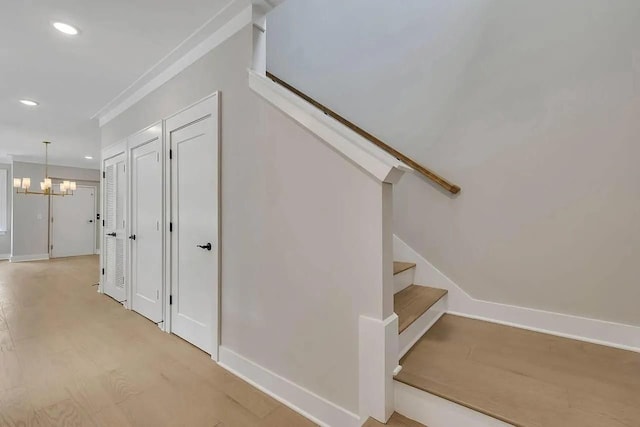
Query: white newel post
x=378 y=346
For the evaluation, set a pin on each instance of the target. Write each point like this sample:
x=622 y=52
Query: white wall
x=379 y=62
x=31 y=213
x=300 y=232
x=531 y=107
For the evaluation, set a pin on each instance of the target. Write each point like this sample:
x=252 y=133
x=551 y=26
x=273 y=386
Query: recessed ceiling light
x=29 y=102
x=65 y=28
x=88 y=157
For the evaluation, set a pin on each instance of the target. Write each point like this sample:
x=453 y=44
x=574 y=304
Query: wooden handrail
x=432 y=176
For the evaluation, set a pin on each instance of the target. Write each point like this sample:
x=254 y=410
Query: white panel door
x=73 y=223
x=194 y=142
x=145 y=231
x=114 y=210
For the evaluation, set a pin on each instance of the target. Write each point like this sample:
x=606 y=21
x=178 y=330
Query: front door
x=114 y=247
x=73 y=223
x=145 y=231
x=194 y=142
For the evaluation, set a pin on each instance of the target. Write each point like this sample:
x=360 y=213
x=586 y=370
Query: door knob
x=132 y=237
x=111 y=234
x=207 y=246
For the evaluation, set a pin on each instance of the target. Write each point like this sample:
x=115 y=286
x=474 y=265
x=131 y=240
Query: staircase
x=418 y=307
x=461 y=371
x=457 y=371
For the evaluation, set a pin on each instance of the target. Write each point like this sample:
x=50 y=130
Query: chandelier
x=65 y=188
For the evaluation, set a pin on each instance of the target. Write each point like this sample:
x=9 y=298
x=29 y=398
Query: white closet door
x=146 y=232
x=114 y=257
x=194 y=141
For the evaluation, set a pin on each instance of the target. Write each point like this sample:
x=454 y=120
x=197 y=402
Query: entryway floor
x=72 y=357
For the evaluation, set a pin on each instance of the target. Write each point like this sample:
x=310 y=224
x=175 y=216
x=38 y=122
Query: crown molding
x=231 y=19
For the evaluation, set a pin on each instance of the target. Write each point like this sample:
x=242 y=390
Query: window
x=4 y=200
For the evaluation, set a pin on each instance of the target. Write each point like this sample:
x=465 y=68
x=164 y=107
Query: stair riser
x=435 y=411
x=403 y=280
x=417 y=329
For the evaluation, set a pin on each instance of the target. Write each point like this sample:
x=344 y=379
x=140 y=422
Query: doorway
x=193 y=141
x=73 y=223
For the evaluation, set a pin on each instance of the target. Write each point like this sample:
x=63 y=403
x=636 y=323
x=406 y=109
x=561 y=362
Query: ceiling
x=75 y=77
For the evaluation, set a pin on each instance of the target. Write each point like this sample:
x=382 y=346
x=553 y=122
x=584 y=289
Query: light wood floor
x=396 y=420
x=72 y=357
x=526 y=378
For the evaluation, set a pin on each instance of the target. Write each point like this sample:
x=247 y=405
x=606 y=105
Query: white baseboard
x=435 y=411
x=97 y=252
x=460 y=303
x=417 y=329
x=24 y=258
x=4 y=257
x=305 y=402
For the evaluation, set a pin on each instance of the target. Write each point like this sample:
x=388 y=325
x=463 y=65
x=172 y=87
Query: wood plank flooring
x=413 y=301
x=396 y=420
x=72 y=357
x=525 y=378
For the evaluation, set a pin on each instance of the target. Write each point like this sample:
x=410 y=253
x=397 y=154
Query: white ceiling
x=75 y=77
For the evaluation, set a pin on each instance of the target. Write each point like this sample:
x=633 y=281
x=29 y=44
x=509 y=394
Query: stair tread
x=413 y=301
x=400 y=266
x=525 y=378
x=396 y=420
